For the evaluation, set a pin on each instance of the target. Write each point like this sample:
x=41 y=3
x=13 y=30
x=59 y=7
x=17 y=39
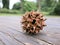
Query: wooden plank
x=20 y=37
x=29 y=39
x=1 y=42
x=7 y=40
x=51 y=33
x=12 y=28
x=7 y=34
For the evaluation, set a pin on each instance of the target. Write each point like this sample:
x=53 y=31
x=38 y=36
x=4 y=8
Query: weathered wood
x=1 y=42
x=51 y=32
x=11 y=32
x=6 y=35
x=20 y=37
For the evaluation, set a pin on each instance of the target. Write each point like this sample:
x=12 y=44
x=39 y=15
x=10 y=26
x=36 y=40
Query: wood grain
x=11 y=32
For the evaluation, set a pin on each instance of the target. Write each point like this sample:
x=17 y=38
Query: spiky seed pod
x=33 y=22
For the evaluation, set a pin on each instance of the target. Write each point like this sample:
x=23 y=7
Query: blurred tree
x=17 y=6
x=22 y=4
x=50 y=4
x=57 y=9
x=28 y=6
x=5 y=4
x=38 y=5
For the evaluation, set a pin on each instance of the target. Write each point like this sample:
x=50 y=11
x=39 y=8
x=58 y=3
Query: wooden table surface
x=11 y=32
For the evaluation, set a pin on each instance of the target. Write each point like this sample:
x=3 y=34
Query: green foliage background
x=28 y=6
x=48 y=6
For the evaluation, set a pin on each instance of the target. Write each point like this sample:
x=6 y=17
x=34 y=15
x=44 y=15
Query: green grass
x=44 y=13
x=47 y=14
x=5 y=14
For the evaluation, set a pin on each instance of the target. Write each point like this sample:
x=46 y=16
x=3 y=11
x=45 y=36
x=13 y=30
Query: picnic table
x=11 y=32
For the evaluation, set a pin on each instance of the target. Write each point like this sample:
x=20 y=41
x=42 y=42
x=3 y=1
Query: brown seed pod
x=33 y=22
